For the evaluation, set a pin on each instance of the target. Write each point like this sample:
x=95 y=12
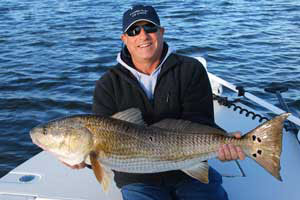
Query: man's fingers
x=241 y=153
x=224 y=153
x=66 y=164
x=221 y=154
x=233 y=152
x=237 y=134
x=82 y=165
x=229 y=152
x=78 y=166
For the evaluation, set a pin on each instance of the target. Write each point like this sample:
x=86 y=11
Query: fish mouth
x=36 y=142
x=33 y=134
x=39 y=144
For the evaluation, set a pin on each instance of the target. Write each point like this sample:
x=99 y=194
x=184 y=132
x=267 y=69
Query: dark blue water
x=52 y=52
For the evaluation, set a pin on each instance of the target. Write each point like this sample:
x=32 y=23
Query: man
x=162 y=85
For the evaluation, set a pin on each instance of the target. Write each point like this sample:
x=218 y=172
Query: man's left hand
x=228 y=152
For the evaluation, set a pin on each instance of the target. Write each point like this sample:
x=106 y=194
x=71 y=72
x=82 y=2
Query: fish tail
x=266 y=144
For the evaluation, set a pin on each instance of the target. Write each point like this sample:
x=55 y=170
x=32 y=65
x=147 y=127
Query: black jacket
x=182 y=91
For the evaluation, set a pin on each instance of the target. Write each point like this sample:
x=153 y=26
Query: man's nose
x=143 y=33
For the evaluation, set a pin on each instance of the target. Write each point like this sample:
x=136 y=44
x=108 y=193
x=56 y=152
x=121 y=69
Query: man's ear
x=162 y=31
x=124 y=38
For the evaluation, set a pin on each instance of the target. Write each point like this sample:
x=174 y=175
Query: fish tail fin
x=267 y=144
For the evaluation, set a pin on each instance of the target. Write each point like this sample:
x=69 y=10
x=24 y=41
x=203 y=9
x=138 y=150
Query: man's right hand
x=77 y=166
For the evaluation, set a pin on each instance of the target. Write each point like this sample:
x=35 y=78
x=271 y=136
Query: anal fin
x=199 y=172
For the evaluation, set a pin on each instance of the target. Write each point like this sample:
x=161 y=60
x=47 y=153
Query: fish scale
x=165 y=151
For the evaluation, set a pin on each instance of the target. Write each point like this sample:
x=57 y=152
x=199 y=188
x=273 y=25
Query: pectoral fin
x=199 y=172
x=103 y=176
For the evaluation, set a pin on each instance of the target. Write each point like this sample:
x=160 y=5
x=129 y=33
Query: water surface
x=52 y=52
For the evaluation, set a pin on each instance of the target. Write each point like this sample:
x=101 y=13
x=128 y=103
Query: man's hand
x=78 y=166
x=228 y=152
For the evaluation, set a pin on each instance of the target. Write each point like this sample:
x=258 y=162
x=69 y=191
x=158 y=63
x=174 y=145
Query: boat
x=43 y=177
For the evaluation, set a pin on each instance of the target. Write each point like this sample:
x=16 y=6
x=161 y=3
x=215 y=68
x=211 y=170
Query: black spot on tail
x=259 y=152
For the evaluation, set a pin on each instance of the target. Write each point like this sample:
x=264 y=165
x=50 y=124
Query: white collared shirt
x=147 y=82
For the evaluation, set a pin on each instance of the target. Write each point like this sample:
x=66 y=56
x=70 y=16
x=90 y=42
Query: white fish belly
x=145 y=165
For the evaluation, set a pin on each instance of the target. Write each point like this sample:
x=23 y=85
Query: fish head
x=67 y=139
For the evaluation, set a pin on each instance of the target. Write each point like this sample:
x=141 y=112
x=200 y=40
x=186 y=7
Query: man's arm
x=198 y=107
x=196 y=95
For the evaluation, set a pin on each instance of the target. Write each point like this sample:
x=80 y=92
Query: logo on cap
x=138 y=12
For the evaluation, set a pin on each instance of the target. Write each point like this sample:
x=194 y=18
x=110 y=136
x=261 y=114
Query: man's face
x=144 y=46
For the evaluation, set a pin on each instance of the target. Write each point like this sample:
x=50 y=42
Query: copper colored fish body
x=124 y=143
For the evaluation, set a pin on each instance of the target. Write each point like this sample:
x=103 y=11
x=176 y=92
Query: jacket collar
x=124 y=57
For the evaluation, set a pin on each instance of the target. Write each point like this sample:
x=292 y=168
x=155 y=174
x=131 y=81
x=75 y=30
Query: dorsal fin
x=179 y=125
x=132 y=115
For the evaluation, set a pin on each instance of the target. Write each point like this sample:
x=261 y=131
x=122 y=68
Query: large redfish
x=124 y=143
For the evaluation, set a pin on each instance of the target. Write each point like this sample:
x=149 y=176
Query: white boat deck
x=53 y=181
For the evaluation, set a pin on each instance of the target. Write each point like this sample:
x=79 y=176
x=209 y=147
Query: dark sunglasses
x=148 y=28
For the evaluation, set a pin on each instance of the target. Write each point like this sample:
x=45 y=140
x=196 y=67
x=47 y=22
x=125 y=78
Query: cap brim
x=147 y=20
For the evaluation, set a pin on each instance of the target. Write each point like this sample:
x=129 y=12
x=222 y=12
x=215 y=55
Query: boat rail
x=254 y=98
x=218 y=82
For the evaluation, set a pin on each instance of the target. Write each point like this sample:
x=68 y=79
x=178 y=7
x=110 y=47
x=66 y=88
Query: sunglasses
x=148 y=28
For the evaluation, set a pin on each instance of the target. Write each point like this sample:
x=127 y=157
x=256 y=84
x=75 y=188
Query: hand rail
x=254 y=98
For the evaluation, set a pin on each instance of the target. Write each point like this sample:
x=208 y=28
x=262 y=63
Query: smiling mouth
x=145 y=45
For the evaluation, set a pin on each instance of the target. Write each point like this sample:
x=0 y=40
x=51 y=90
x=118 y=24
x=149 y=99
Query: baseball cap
x=139 y=13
